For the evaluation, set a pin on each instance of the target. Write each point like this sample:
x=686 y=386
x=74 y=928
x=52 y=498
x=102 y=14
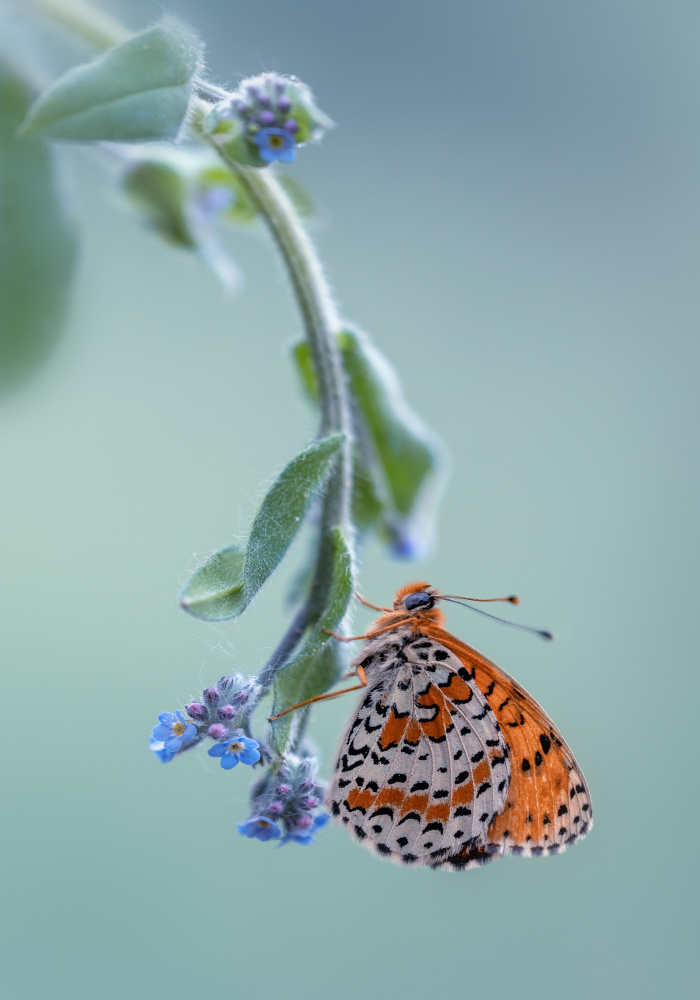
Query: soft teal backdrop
x=510 y=206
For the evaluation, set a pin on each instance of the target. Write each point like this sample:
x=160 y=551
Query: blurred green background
x=510 y=207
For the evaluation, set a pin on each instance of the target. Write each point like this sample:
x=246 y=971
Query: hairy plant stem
x=322 y=324
x=319 y=315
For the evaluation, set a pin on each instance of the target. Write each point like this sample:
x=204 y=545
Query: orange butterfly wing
x=548 y=805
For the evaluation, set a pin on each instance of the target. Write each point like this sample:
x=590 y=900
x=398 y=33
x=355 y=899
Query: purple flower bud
x=216 y=731
x=308 y=803
x=226 y=712
x=226 y=683
x=275 y=808
x=291 y=125
x=306 y=786
x=196 y=710
x=240 y=698
x=304 y=822
x=284 y=104
x=211 y=695
x=284 y=790
x=267 y=118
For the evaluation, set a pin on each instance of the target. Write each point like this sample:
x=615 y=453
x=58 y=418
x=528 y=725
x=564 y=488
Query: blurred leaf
x=284 y=508
x=215 y=590
x=405 y=447
x=159 y=190
x=37 y=241
x=137 y=91
x=305 y=369
x=318 y=664
x=396 y=460
x=226 y=584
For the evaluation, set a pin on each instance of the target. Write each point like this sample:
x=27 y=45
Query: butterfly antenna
x=504 y=621
x=484 y=600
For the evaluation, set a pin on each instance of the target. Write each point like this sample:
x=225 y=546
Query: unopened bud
x=211 y=695
x=226 y=712
x=196 y=710
x=275 y=808
x=216 y=731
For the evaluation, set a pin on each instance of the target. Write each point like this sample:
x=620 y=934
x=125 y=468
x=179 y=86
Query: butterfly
x=448 y=761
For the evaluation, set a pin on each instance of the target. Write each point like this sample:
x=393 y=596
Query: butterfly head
x=419 y=600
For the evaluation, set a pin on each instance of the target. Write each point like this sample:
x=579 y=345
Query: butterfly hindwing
x=424 y=767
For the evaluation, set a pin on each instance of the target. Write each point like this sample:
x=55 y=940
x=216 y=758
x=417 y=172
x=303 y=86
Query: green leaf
x=135 y=92
x=37 y=241
x=318 y=664
x=406 y=449
x=284 y=508
x=225 y=585
x=215 y=590
x=396 y=460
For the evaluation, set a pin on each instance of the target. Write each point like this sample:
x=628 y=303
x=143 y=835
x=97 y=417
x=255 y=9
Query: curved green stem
x=319 y=314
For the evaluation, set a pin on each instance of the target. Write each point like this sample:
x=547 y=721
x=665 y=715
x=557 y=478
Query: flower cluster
x=266 y=119
x=286 y=801
x=222 y=711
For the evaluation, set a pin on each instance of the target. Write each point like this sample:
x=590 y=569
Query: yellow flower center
x=235 y=747
x=178 y=729
x=276 y=141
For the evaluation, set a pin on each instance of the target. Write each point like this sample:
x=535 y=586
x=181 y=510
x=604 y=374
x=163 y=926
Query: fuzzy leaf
x=315 y=669
x=215 y=590
x=37 y=241
x=135 y=92
x=226 y=584
x=284 y=508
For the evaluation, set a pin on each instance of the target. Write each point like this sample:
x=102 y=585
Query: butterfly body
x=448 y=761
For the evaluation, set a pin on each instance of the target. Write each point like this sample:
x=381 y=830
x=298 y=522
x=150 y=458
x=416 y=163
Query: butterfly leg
x=324 y=697
x=368 y=635
x=368 y=604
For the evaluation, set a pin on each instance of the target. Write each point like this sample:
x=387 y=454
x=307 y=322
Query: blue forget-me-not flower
x=240 y=748
x=173 y=731
x=260 y=827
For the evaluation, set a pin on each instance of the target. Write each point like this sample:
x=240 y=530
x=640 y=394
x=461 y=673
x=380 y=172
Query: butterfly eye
x=421 y=600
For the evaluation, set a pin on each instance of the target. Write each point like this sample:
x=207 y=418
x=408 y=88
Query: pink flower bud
x=196 y=710
x=211 y=695
x=216 y=731
x=275 y=808
x=304 y=822
x=227 y=712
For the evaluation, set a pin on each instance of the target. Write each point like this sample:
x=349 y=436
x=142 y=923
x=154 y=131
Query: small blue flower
x=158 y=748
x=238 y=748
x=260 y=827
x=275 y=144
x=307 y=836
x=173 y=731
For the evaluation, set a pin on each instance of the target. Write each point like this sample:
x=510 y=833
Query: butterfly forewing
x=424 y=768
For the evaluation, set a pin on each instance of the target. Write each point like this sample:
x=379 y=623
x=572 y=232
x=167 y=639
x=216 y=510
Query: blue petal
x=228 y=761
x=161 y=732
x=218 y=750
x=167 y=718
x=173 y=743
x=248 y=743
x=179 y=718
x=320 y=821
x=249 y=756
x=286 y=155
x=189 y=733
